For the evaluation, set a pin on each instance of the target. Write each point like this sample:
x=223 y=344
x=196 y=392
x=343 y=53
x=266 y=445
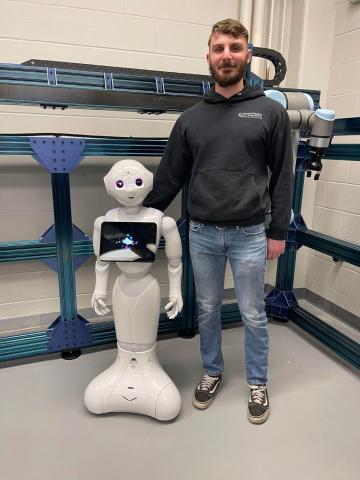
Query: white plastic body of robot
x=135 y=382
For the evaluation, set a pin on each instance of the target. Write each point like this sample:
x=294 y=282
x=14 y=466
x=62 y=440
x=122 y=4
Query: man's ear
x=249 y=56
x=207 y=59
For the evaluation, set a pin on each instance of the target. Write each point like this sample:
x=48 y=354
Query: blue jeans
x=245 y=247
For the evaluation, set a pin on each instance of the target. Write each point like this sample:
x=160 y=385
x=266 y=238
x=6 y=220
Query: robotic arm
x=322 y=124
x=300 y=109
x=173 y=250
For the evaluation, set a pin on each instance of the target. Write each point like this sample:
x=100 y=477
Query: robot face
x=129 y=182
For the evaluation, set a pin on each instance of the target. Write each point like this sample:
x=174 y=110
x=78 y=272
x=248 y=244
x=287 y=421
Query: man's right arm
x=173 y=171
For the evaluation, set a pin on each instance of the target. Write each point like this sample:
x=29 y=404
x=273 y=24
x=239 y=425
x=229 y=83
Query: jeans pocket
x=195 y=226
x=254 y=229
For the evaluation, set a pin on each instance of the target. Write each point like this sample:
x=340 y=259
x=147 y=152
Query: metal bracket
x=160 y=85
x=58 y=155
x=108 y=81
x=51 y=76
x=50 y=236
x=69 y=334
x=206 y=87
x=292 y=242
x=279 y=303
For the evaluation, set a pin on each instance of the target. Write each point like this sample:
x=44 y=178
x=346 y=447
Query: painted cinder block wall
x=336 y=210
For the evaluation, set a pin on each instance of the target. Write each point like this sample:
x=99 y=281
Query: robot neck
x=132 y=210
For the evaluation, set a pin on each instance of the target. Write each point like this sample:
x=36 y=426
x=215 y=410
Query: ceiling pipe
x=246 y=9
x=259 y=15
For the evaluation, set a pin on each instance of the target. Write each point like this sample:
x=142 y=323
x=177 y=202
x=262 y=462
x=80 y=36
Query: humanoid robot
x=130 y=236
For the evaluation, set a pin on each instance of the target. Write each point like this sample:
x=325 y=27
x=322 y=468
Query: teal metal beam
x=36 y=343
x=342 y=345
x=34 y=250
x=347 y=126
x=63 y=85
x=338 y=249
x=94 y=146
x=343 y=151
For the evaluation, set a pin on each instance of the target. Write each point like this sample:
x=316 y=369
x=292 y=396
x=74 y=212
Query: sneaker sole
x=259 y=420
x=201 y=405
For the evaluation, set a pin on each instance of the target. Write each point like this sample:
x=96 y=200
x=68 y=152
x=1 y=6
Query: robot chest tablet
x=128 y=241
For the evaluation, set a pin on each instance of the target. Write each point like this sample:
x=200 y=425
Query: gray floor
x=313 y=431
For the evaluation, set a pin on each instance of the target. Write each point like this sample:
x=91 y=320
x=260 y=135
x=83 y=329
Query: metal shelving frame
x=143 y=92
x=282 y=302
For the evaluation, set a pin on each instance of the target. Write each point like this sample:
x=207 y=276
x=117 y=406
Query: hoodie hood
x=247 y=93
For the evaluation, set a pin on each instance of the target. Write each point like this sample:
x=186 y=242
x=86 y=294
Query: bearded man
x=226 y=146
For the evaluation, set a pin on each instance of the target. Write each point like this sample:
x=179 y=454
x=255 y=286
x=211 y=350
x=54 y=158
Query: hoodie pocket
x=221 y=195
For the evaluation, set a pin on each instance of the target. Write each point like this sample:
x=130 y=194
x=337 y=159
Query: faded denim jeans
x=245 y=247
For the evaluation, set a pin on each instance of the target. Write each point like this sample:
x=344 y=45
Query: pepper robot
x=129 y=236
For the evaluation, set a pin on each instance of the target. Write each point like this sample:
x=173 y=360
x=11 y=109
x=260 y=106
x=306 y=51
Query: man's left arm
x=280 y=162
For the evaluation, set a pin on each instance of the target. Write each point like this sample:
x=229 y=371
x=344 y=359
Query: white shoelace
x=207 y=382
x=258 y=394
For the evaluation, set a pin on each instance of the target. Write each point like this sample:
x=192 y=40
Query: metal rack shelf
x=61 y=87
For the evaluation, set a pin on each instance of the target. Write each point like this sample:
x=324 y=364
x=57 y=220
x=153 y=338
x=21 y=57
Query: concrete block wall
x=337 y=199
x=161 y=35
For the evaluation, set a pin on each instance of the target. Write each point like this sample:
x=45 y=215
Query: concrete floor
x=313 y=431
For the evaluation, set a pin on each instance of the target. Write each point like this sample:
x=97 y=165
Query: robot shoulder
x=112 y=215
x=168 y=224
x=97 y=223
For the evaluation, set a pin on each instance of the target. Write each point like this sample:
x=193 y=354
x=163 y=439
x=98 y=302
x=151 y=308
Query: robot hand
x=99 y=305
x=174 y=307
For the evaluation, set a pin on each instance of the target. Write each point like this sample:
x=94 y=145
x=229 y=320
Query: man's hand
x=275 y=248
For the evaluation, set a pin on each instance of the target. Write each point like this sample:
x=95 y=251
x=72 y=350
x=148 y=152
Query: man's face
x=227 y=58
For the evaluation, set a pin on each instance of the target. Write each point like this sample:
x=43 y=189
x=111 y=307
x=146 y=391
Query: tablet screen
x=127 y=241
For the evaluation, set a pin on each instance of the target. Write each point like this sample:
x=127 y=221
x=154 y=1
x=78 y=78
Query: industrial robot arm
x=300 y=109
x=101 y=272
x=173 y=252
x=321 y=123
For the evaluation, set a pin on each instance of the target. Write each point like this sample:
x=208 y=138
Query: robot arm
x=322 y=124
x=101 y=273
x=173 y=251
x=300 y=109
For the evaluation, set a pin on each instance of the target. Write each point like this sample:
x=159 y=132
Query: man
x=226 y=145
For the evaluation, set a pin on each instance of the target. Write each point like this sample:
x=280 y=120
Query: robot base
x=134 y=383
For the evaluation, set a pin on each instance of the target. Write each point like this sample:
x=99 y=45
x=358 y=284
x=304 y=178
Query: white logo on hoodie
x=251 y=115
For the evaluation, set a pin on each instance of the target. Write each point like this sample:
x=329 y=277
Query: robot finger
x=101 y=303
x=169 y=306
x=172 y=313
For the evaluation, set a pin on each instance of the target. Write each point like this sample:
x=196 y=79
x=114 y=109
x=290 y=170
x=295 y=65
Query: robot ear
x=107 y=179
x=149 y=177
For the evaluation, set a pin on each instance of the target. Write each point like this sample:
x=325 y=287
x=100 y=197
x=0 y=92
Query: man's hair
x=229 y=26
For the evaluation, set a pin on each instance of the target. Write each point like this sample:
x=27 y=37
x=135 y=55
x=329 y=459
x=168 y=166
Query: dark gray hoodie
x=226 y=147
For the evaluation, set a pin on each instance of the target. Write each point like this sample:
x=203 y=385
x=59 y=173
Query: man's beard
x=227 y=79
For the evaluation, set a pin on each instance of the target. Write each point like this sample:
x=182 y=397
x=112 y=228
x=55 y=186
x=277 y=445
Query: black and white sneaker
x=258 y=405
x=205 y=391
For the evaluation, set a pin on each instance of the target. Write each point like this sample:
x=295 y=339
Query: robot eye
x=138 y=182
x=119 y=183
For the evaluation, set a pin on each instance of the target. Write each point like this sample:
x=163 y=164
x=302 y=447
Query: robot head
x=128 y=181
